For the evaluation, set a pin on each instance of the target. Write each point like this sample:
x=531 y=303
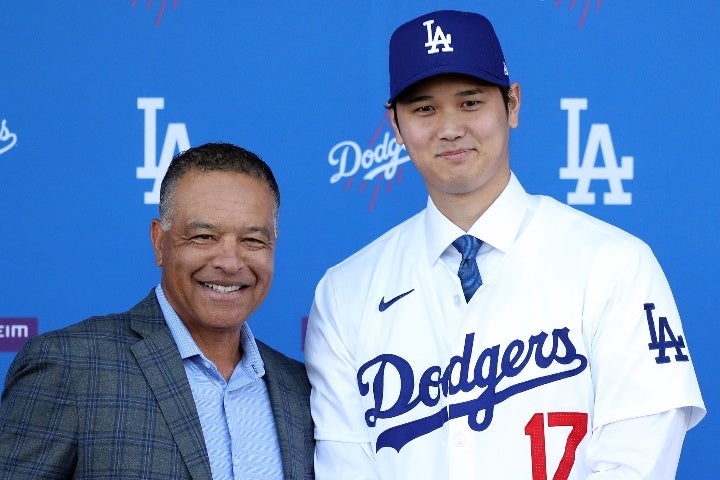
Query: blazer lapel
x=289 y=392
x=162 y=366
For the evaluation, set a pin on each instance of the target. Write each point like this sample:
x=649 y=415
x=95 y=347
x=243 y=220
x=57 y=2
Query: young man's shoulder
x=405 y=237
x=558 y=219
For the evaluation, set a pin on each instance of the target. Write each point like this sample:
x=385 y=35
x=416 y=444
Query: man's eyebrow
x=415 y=99
x=470 y=91
x=263 y=230
x=425 y=97
x=200 y=225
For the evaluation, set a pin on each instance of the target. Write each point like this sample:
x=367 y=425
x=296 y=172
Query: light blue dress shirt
x=236 y=416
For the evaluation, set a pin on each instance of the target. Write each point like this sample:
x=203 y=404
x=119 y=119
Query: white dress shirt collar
x=498 y=227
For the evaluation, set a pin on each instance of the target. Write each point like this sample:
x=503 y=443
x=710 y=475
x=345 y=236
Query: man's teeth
x=222 y=289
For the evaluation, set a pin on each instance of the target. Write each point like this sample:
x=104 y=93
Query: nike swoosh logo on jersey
x=384 y=305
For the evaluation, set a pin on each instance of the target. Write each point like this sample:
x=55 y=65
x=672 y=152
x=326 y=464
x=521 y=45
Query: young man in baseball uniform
x=496 y=334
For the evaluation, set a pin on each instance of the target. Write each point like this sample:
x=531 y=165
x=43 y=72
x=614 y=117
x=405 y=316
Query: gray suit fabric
x=108 y=398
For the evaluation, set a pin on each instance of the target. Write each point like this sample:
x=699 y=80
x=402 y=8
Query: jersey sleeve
x=329 y=346
x=641 y=447
x=640 y=359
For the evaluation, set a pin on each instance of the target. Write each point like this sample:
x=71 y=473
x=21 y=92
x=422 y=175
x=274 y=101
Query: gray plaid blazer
x=108 y=398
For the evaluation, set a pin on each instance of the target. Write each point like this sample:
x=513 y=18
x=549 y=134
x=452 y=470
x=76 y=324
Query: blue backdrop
x=95 y=97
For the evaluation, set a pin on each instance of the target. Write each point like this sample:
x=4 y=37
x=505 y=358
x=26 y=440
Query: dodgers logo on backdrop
x=599 y=143
x=176 y=140
x=381 y=160
x=14 y=332
x=555 y=355
x=7 y=138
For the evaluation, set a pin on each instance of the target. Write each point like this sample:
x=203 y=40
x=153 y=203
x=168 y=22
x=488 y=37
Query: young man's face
x=217 y=256
x=456 y=130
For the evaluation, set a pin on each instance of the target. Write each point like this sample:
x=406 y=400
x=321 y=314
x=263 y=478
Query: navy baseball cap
x=446 y=41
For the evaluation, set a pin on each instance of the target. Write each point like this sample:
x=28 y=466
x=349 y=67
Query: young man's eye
x=424 y=109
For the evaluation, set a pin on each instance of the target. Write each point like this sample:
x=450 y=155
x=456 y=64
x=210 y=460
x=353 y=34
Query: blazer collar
x=159 y=359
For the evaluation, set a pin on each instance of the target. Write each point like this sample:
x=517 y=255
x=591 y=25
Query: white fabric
x=558 y=331
x=638 y=448
x=634 y=449
x=346 y=461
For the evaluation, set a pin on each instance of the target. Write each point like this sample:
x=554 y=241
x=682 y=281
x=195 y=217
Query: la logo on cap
x=437 y=39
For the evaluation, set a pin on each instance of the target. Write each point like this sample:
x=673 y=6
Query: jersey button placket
x=458 y=300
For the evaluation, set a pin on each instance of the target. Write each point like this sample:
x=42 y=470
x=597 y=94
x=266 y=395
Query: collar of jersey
x=499 y=226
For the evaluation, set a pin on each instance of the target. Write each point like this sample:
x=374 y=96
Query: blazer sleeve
x=38 y=417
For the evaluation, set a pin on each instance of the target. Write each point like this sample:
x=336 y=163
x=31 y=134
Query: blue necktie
x=469 y=274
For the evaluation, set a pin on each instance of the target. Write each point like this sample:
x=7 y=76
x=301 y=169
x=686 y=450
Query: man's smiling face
x=217 y=253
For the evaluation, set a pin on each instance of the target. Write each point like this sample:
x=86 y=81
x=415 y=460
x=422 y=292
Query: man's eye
x=472 y=103
x=424 y=109
x=255 y=241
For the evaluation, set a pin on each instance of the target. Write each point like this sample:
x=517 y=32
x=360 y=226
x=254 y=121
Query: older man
x=177 y=387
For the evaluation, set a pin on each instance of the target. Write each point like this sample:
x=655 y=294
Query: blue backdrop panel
x=96 y=98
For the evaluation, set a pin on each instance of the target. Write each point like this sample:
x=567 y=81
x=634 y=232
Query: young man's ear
x=392 y=110
x=514 y=96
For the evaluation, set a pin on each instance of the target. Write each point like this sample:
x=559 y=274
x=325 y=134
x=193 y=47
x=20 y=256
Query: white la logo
x=599 y=141
x=437 y=39
x=176 y=138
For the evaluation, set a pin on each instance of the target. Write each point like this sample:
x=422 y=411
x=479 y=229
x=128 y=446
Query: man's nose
x=228 y=256
x=450 y=126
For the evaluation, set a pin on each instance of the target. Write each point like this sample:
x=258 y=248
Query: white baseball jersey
x=573 y=328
